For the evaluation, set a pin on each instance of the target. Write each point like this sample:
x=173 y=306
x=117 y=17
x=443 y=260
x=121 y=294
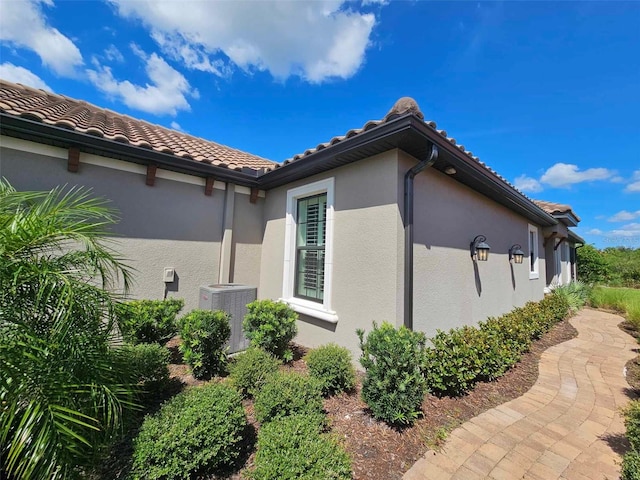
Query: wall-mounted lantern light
x=479 y=249
x=516 y=254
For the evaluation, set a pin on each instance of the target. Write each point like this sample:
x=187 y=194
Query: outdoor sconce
x=516 y=254
x=479 y=249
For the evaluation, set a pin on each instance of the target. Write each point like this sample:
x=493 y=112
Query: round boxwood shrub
x=204 y=334
x=196 y=432
x=249 y=371
x=148 y=364
x=331 y=365
x=271 y=325
x=295 y=447
x=287 y=393
x=149 y=321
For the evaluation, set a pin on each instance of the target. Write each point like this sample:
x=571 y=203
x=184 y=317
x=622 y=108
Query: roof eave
x=414 y=136
x=25 y=129
x=575 y=238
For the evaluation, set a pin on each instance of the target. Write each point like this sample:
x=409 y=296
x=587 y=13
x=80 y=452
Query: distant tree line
x=614 y=266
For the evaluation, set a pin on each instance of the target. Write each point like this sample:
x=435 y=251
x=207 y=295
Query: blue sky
x=546 y=93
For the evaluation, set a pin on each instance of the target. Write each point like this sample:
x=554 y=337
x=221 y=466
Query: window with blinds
x=310 y=247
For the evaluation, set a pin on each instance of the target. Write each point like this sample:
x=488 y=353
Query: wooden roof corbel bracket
x=208 y=187
x=254 y=195
x=73 y=160
x=560 y=243
x=151 y=174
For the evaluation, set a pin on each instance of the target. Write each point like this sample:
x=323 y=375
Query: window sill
x=534 y=276
x=311 y=309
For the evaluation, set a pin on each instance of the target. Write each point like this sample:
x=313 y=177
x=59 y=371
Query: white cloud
x=24 y=24
x=634 y=186
x=527 y=184
x=176 y=126
x=112 y=54
x=624 y=216
x=315 y=40
x=565 y=175
x=629 y=230
x=16 y=74
x=166 y=93
x=595 y=231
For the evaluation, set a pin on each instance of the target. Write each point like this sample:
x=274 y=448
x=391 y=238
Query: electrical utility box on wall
x=231 y=298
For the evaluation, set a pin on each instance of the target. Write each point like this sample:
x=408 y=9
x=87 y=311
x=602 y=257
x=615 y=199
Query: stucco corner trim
x=311 y=309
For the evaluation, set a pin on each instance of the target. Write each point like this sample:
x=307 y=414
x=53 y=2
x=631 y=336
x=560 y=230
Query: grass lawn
x=625 y=300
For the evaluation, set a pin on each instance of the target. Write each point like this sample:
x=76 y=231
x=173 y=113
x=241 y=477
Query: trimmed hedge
x=271 y=325
x=288 y=393
x=250 y=370
x=394 y=385
x=461 y=357
x=149 y=321
x=295 y=447
x=204 y=334
x=331 y=365
x=196 y=433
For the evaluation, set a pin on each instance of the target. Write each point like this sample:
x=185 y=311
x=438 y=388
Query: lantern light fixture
x=516 y=255
x=479 y=249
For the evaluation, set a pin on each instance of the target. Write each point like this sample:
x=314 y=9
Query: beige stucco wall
x=172 y=224
x=366 y=250
x=451 y=290
x=247 y=240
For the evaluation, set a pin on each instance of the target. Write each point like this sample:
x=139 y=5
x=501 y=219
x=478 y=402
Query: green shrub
x=461 y=357
x=394 y=385
x=632 y=423
x=576 y=294
x=555 y=308
x=149 y=321
x=250 y=370
x=271 y=325
x=197 y=432
x=204 y=334
x=331 y=365
x=287 y=393
x=631 y=461
x=295 y=447
x=148 y=364
x=630 y=466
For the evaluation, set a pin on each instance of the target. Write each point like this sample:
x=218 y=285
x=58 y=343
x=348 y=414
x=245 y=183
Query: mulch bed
x=380 y=452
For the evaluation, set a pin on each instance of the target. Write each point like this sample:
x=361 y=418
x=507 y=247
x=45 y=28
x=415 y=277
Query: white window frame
x=318 y=310
x=534 y=247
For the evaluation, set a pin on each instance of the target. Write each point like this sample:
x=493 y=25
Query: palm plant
x=62 y=389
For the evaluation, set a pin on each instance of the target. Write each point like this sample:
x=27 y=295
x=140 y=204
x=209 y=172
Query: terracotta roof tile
x=80 y=116
x=552 y=208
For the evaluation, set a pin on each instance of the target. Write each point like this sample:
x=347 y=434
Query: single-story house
x=389 y=222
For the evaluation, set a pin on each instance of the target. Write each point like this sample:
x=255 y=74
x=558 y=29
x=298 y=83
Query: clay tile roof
x=64 y=112
x=552 y=208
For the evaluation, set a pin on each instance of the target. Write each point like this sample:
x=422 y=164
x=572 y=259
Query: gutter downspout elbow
x=408 y=232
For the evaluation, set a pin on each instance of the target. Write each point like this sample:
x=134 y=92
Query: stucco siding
x=365 y=256
x=247 y=240
x=451 y=290
x=172 y=224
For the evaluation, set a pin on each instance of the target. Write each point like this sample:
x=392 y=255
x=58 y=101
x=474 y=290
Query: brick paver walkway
x=563 y=428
